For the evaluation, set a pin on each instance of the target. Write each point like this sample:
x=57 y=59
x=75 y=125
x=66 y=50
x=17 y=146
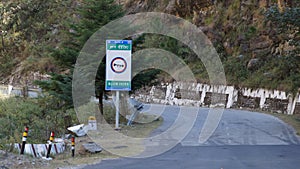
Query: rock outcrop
x=239 y=25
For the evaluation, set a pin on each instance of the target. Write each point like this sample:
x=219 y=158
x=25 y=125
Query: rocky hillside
x=29 y=30
x=258 y=40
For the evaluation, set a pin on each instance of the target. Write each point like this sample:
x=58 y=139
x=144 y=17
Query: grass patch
x=293 y=120
x=142 y=130
x=137 y=130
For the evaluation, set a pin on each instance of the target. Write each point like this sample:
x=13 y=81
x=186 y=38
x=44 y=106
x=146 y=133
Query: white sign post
x=118 y=69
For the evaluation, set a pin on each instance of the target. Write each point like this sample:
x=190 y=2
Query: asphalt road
x=242 y=140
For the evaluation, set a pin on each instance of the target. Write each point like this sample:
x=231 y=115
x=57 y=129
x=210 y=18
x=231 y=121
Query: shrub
x=41 y=115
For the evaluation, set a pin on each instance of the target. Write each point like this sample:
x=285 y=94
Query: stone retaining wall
x=197 y=94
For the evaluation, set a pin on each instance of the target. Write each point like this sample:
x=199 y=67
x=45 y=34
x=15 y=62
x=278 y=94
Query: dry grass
x=83 y=158
x=293 y=120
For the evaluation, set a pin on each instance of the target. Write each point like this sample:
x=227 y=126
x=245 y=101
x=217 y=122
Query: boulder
x=261 y=53
x=244 y=47
x=260 y=43
x=253 y=64
x=241 y=57
x=91 y=147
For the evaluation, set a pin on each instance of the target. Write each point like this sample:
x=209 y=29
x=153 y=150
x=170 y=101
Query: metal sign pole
x=118 y=70
x=117 y=109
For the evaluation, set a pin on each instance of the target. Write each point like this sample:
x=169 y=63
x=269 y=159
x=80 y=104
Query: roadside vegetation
x=46 y=36
x=293 y=120
x=27 y=25
x=41 y=115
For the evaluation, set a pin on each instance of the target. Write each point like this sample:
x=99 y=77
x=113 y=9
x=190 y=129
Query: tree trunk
x=101 y=103
x=25 y=91
x=2 y=41
x=99 y=114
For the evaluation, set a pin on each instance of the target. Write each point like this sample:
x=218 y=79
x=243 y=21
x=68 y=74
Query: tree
x=92 y=14
x=59 y=86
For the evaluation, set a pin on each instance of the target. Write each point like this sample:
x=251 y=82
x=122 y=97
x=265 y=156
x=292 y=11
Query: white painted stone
x=231 y=91
x=10 y=88
x=40 y=150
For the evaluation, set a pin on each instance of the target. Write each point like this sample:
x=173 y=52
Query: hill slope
x=257 y=41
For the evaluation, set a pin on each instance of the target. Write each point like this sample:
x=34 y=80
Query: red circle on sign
x=118 y=65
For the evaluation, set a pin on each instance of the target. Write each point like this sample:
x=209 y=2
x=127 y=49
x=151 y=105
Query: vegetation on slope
x=258 y=45
x=257 y=41
x=28 y=30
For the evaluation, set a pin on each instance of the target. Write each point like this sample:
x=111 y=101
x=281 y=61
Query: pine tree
x=92 y=14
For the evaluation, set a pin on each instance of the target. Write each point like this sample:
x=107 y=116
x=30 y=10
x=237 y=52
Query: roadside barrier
x=50 y=144
x=40 y=150
x=53 y=147
x=25 y=134
x=73 y=145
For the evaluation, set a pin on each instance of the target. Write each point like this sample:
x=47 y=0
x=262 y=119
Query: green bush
x=236 y=70
x=41 y=115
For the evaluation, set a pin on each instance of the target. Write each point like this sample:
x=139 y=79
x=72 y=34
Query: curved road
x=242 y=140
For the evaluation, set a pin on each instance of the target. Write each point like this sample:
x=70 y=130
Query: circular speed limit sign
x=118 y=65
